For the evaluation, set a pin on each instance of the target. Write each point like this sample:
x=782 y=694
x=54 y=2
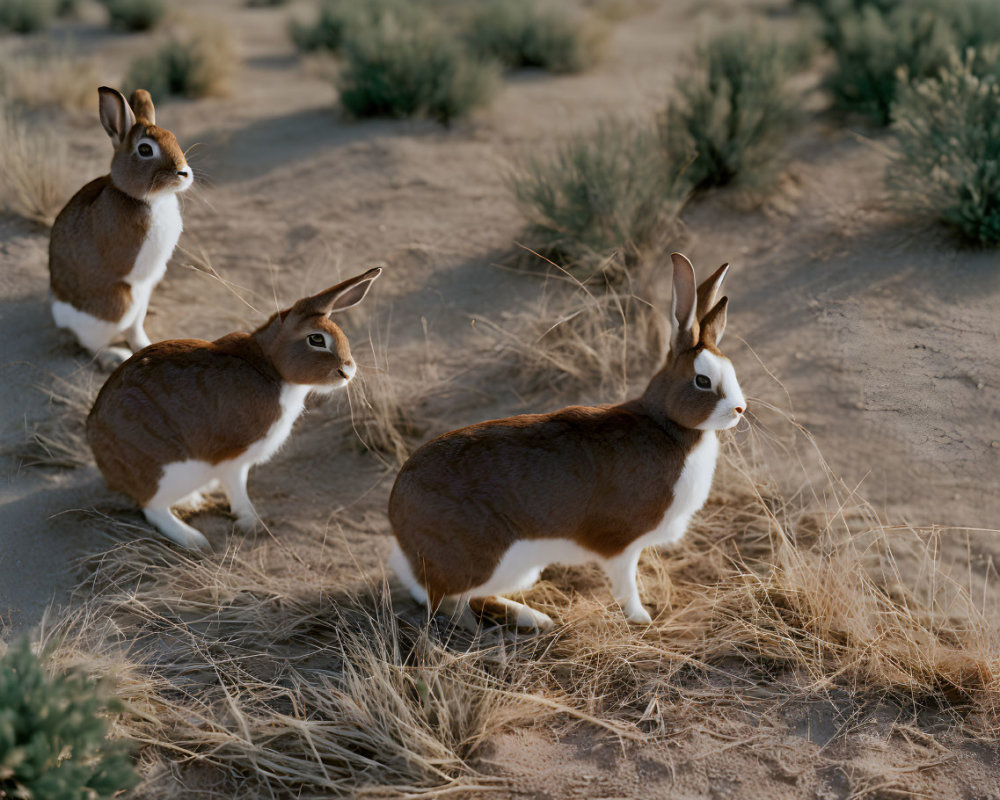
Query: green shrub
x=135 y=15
x=396 y=69
x=873 y=50
x=26 y=16
x=733 y=113
x=187 y=64
x=601 y=201
x=52 y=739
x=525 y=33
x=948 y=159
x=340 y=19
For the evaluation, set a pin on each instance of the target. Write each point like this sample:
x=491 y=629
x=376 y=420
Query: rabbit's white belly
x=151 y=262
x=182 y=478
x=93 y=333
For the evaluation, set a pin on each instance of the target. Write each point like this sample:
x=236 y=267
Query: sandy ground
x=882 y=332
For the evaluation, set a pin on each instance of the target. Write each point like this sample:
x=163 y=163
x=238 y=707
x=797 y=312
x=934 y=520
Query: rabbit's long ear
x=142 y=105
x=685 y=325
x=709 y=289
x=713 y=324
x=116 y=115
x=337 y=298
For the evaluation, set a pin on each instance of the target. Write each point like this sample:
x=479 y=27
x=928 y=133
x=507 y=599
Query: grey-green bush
x=733 y=113
x=948 y=152
x=602 y=200
x=52 y=738
x=26 y=16
x=135 y=15
x=874 y=50
x=340 y=19
x=397 y=69
x=189 y=64
x=526 y=33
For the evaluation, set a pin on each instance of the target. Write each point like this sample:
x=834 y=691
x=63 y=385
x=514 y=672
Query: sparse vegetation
x=873 y=50
x=524 y=33
x=602 y=200
x=384 y=414
x=733 y=113
x=948 y=161
x=339 y=20
x=36 y=167
x=196 y=62
x=26 y=16
x=589 y=345
x=56 y=78
x=392 y=69
x=52 y=734
x=135 y=15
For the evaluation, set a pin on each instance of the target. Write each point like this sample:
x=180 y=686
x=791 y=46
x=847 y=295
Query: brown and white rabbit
x=481 y=511
x=111 y=242
x=182 y=414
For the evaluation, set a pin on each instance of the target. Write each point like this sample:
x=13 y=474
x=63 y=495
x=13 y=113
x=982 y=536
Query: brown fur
x=98 y=234
x=210 y=401
x=601 y=476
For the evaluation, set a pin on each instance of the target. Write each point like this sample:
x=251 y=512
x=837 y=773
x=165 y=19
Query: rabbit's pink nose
x=182 y=173
x=737 y=411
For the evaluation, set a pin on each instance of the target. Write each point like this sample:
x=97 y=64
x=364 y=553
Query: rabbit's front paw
x=113 y=357
x=249 y=523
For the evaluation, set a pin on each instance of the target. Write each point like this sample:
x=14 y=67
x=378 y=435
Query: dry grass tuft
x=385 y=414
x=277 y=687
x=56 y=78
x=36 y=167
x=59 y=440
x=581 y=341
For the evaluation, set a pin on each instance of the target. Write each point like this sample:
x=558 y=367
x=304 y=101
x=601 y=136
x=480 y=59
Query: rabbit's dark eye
x=145 y=150
x=316 y=340
x=703 y=382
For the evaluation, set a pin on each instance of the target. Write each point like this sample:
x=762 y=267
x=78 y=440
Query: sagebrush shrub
x=525 y=33
x=873 y=50
x=948 y=151
x=602 y=200
x=191 y=64
x=26 y=16
x=733 y=113
x=394 y=68
x=135 y=15
x=338 y=20
x=52 y=738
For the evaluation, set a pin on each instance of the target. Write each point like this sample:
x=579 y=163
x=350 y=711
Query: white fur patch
x=93 y=333
x=720 y=371
x=165 y=228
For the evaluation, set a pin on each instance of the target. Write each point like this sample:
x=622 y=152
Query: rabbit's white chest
x=165 y=228
x=292 y=400
x=690 y=492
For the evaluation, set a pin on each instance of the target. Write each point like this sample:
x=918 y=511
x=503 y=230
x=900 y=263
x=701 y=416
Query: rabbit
x=111 y=242
x=480 y=512
x=183 y=414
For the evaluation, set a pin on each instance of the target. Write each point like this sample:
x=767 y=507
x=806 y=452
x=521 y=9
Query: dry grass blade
x=59 y=440
x=36 y=168
x=579 y=342
x=56 y=78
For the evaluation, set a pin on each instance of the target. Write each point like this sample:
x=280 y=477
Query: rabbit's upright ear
x=713 y=324
x=708 y=290
x=142 y=104
x=116 y=115
x=685 y=325
x=337 y=298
